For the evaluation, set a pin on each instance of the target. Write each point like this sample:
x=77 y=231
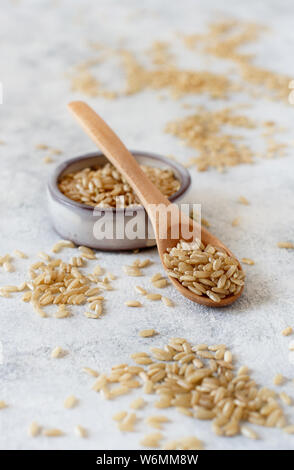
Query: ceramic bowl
x=101 y=228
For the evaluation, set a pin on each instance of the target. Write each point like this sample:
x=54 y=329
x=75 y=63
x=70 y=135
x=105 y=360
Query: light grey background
x=40 y=43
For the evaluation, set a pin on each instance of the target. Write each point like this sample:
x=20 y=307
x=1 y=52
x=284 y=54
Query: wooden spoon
x=147 y=193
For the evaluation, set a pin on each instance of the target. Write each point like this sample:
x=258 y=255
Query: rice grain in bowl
x=102 y=228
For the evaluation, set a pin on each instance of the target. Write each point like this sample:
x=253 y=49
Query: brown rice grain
x=53 y=432
x=138 y=403
x=127 y=424
x=62 y=312
x=44 y=256
x=92 y=315
x=148 y=387
x=160 y=284
x=153 y=296
x=184 y=411
x=288 y=245
x=98 y=271
x=289 y=429
x=147 y=333
x=133 y=303
x=91 y=372
x=26 y=297
x=132 y=271
x=190 y=443
x=141 y=290
x=152 y=440
x=243 y=201
x=34 y=429
x=8 y=267
x=286 y=399
x=119 y=416
x=248 y=432
x=247 y=261
x=19 y=254
x=80 y=431
x=168 y=302
x=70 y=402
x=236 y=222
x=57 y=352
x=62 y=244
x=287 y=331
x=278 y=379
x=228 y=356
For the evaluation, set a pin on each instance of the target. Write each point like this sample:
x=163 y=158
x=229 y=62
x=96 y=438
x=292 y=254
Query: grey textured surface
x=40 y=42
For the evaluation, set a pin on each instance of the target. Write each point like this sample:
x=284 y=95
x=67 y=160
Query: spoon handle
x=119 y=155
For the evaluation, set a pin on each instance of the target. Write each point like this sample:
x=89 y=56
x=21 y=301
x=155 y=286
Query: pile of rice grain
x=205 y=270
x=204 y=131
x=56 y=282
x=105 y=186
x=199 y=381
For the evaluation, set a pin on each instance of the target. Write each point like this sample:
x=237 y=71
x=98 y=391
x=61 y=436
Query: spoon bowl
x=158 y=207
x=206 y=238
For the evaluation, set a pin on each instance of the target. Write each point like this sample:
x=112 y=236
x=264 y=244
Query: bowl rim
x=58 y=196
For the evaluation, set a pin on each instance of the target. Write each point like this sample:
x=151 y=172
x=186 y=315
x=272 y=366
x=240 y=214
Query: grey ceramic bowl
x=84 y=225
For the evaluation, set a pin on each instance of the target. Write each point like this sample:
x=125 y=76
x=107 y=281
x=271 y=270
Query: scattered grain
x=152 y=440
x=54 y=432
x=248 y=261
x=133 y=303
x=80 y=431
x=243 y=201
x=34 y=429
x=127 y=423
x=153 y=296
x=204 y=132
x=168 y=302
x=236 y=222
x=70 y=402
x=48 y=159
x=248 y=432
x=289 y=429
x=19 y=254
x=141 y=290
x=147 y=333
x=62 y=244
x=119 y=416
x=156 y=421
x=8 y=267
x=90 y=371
x=57 y=352
x=138 y=403
x=278 y=379
x=289 y=245
x=285 y=398
x=287 y=331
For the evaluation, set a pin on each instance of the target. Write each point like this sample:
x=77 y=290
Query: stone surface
x=40 y=43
